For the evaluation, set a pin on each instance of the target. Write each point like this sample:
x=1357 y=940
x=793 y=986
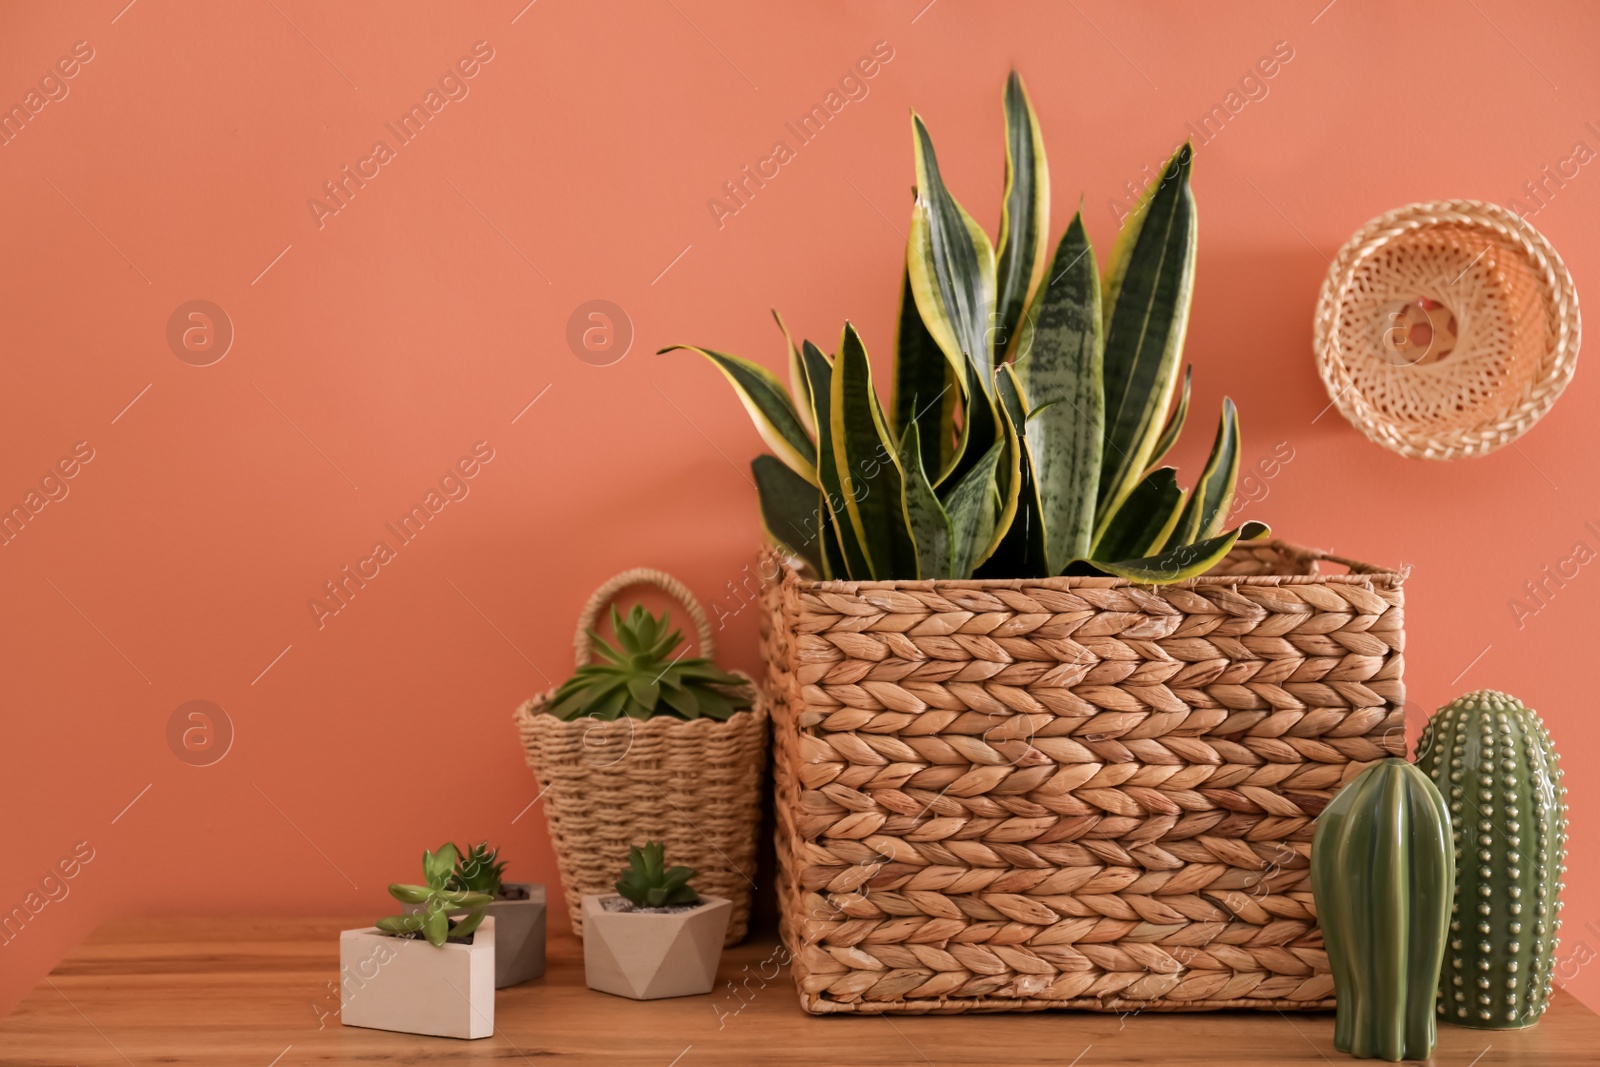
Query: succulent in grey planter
x=657 y=937
x=517 y=907
x=519 y=914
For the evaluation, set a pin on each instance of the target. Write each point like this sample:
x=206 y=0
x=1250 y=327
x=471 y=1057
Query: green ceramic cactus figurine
x=1383 y=876
x=1493 y=760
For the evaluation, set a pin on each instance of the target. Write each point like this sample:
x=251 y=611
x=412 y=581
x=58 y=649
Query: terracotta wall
x=182 y=152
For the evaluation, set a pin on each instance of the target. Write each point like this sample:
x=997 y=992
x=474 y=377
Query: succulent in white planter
x=518 y=909
x=657 y=937
x=429 y=971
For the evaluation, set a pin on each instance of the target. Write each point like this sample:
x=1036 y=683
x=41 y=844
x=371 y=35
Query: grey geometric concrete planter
x=409 y=986
x=650 y=955
x=518 y=936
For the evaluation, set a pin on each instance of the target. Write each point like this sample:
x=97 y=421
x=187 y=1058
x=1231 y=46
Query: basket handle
x=1318 y=554
x=583 y=646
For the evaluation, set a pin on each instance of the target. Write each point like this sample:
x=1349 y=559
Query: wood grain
x=242 y=992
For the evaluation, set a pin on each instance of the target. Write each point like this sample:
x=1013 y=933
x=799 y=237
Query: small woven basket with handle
x=694 y=785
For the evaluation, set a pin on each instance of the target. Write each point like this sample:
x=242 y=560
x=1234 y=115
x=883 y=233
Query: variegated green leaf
x=930 y=526
x=819 y=380
x=799 y=390
x=972 y=508
x=1144 y=523
x=788 y=512
x=770 y=409
x=926 y=389
x=1144 y=342
x=1024 y=216
x=1019 y=550
x=1184 y=561
x=1213 y=493
x=1059 y=353
x=870 y=477
x=1175 y=421
x=834 y=565
x=951 y=266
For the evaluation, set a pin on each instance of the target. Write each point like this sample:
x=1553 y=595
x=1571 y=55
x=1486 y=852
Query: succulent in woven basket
x=1029 y=414
x=650 y=883
x=640 y=677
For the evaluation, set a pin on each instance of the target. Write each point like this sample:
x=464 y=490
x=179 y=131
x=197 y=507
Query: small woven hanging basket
x=1446 y=329
x=695 y=785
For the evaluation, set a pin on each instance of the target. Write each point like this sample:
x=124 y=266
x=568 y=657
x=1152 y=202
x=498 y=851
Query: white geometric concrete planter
x=407 y=985
x=649 y=955
x=519 y=935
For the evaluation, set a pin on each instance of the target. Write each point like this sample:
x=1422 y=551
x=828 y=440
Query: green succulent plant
x=437 y=901
x=478 y=870
x=650 y=883
x=639 y=677
x=1029 y=414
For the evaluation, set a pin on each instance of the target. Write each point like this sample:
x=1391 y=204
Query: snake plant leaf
x=1060 y=353
x=1175 y=421
x=1020 y=550
x=788 y=514
x=819 y=379
x=926 y=388
x=798 y=387
x=930 y=526
x=1144 y=341
x=971 y=505
x=770 y=408
x=1024 y=216
x=1014 y=470
x=871 y=481
x=1213 y=493
x=1178 y=563
x=951 y=266
x=1146 y=520
x=834 y=565
x=1121 y=246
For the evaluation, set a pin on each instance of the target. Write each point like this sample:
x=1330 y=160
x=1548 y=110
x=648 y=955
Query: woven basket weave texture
x=1071 y=792
x=694 y=785
x=1447 y=329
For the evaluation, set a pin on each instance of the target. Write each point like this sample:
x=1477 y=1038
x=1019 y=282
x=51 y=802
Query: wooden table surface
x=254 y=993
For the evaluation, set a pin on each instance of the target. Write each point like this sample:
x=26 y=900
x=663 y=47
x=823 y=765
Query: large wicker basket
x=694 y=785
x=1070 y=792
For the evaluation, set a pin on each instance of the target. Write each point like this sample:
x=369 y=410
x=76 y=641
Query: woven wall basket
x=694 y=785
x=1071 y=792
x=1446 y=330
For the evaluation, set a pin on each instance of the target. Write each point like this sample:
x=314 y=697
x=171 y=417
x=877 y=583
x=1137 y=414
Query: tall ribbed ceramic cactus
x=1493 y=760
x=1382 y=875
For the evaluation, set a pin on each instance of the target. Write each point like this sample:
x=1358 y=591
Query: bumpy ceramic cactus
x=1493 y=760
x=1383 y=876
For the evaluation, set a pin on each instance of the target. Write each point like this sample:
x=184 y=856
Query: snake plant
x=1029 y=413
x=437 y=901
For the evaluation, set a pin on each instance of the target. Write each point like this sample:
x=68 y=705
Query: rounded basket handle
x=583 y=646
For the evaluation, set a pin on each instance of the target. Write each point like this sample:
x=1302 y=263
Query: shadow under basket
x=1011 y=795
